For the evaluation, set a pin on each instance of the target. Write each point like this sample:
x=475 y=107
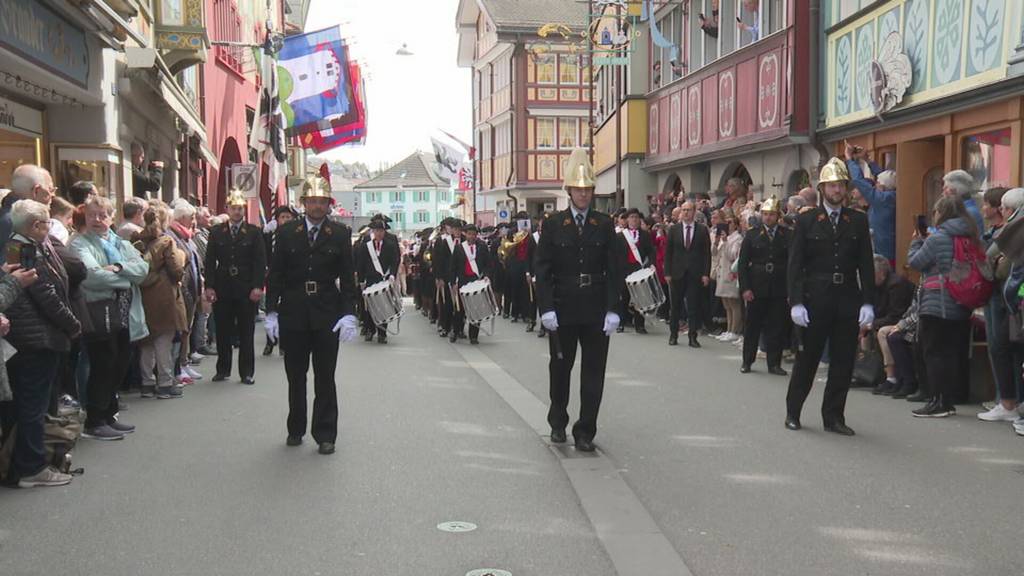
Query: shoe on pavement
x=192 y=372
x=220 y=377
x=999 y=414
x=792 y=423
x=919 y=396
x=673 y=340
x=184 y=379
x=268 y=349
x=148 y=392
x=777 y=371
x=933 y=409
x=839 y=428
x=585 y=445
x=558 y=436
x=293 y=441
x=248 y=380
x=120 y=427
x=103 y=432
x=326 y=448
x=208 y=351
x=48 y=476
x=168 y=392
x=745 y=369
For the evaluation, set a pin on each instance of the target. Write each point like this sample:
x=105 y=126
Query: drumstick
x=557 y=343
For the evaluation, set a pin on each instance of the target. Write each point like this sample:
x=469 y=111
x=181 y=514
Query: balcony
x=180 y=32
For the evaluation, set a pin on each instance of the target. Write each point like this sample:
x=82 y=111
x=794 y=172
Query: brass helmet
x=237 y=198
x=834 y=171
x=771 y=205
x=316 y=187
x=578 y=171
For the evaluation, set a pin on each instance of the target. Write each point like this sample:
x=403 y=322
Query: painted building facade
x=410 y=193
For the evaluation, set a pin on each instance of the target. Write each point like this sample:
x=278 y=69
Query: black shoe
x=694 y=343
x=839 y=428
x=326 y=448
x=904 y=392
x=919 y=396
x=584 y=444
x=220 y=377
x=877 y=390
x=641 y=330
x=515 y=319
x=531 y=327
x=620 y=329
x=268 y=349
x=542 y=332
x=382 y=339
x=368 y=337
x=777 y=370
x=248 y=380
x=558 y=436
x=505 y=316
x=293 y=440
x=474 y=340
x=673 y=340
x=745 y=369
x=792 y=423
x=207 y=351
x=453 y=337
x=443 y=333
x=433 y=321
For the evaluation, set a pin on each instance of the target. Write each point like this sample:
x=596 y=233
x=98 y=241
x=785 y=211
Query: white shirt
x=319 y=227
x=576 y=212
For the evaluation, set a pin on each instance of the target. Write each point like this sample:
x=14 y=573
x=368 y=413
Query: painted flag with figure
x=338 y=131
x=316 y=84
x=268 y=134
x=448 y=159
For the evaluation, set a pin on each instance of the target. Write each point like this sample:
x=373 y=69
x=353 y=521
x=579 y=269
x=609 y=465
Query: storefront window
x=988 y=156
x=101 y=166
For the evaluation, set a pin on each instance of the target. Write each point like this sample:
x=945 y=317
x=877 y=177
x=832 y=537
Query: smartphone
x=13 y=254
x=23 y=255
x=722 y=229
x=921 y=223
x=738 y=20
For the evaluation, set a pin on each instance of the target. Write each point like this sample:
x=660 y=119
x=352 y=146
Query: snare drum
x=645 y=291
x=384 y=302
x=478 y=301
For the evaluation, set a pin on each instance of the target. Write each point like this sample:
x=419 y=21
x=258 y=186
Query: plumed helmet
x=771 y=205
x=237 y=198
x=578 y=171
x=316 y=187
x=834 y=171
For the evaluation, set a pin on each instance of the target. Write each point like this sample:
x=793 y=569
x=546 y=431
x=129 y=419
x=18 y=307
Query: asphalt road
x=432 y=432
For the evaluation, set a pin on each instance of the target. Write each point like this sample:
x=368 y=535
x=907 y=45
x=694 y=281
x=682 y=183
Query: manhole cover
x=488 y=572
x=456 y=526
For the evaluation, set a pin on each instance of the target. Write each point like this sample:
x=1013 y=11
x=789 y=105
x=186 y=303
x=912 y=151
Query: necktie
x=835 y=219
x=579 y=221
x=234 y=230
x=688 y=237
x=312 y=234
x=771 y=234
x=376 y=246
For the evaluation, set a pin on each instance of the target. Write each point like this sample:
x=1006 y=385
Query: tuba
x=508 y=246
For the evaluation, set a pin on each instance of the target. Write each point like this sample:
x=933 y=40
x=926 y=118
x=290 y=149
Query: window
x=567 y=133
x=585 y=67
x=421 y=196
x=171 y=13
x=712 y=31
x=444 y=196
x=227 y=25
x=846 y=8
x=545 y=133
x=501 y=72
x=545 y=65
x=988 y=157
x=398 y=217
x=421 y=217
x=584 y=134
x=774 y=16
x=485 y=82
x=372 y=197
x=397 y=195
x=568 y=69
x=502 y=139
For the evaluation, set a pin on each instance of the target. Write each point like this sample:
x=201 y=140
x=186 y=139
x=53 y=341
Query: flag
x=338 y=131
x=448 y=160
x=325 y=172
x=268 y=136
x=315 y=81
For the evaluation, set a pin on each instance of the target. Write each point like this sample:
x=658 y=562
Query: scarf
x=110 y=243
x=180 y=230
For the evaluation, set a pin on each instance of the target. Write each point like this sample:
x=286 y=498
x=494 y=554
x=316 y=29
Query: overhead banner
x=315 y=81
x=338 y=131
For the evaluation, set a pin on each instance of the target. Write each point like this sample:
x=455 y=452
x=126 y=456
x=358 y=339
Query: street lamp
x=404 y=51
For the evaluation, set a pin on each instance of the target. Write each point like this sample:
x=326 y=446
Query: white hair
x=962 y=182
x=888 y=179
x=26 y=177
x=183 y=209
x=25 y=213
x=882 y=264
x=1013 y=199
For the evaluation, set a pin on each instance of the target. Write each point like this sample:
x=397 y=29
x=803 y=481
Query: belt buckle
x=585 y=280
x=233 y=270
x=769 y=267
x=838 y=278
x=311 y=288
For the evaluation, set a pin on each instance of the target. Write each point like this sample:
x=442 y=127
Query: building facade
x=531 y=102
x=963 y=107
x=410 y=193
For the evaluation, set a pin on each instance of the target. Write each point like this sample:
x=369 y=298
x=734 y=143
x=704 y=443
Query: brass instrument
x=507 y=246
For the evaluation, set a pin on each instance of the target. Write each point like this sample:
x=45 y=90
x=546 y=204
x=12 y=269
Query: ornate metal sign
x=891 y=75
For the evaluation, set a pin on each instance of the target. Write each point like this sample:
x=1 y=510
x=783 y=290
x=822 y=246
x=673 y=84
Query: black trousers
x=837 y=326
x=299 y=347
x=236 y=317
x=943 y=343
x=685 y=290
x=369 y=327
x=767 y=316
x=626 y=312
x=108 y=364
x=520 y=290
x=445 y=308
x=594 y=345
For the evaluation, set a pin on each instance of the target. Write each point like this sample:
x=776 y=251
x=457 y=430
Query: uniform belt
x=835 y=278
x=768 y=267
x=312 y=287
x=582 y=280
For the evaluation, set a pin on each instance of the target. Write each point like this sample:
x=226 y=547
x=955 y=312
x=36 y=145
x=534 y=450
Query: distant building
x=410 y=193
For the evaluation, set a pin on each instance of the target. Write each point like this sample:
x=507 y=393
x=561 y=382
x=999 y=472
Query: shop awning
x=181 y=106
x=209 y=156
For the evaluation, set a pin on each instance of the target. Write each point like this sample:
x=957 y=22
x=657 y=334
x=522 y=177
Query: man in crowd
x=637 y=251
x=736 y=194
x=132 y=218
x=441 y=260
x=763 y=260
x=961 y=184
x=687 y=271
x=145 y=182
x=878 y=190
x=810 y=197
x=471 y=262
x=376 y=259
x=894 y=294
x=28 y=182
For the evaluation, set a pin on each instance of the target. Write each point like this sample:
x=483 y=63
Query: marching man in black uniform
x=236 y=267
x=578 y=280
x=441 y=259
x=831 y=291
x=377 y=260
x=310 y=302
x=471 y=262
x=637 y=249
x=763 y=259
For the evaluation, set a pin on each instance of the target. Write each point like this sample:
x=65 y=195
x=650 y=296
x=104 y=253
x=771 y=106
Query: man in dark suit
x=831 y=291
x=312 y=288
x=471 y=262
x=236 y=267
x=282 y=215
x=637 y=250
x=377 y=260
x=687 y=270
x=441 y=259
x=578 y=278
x=145 y=183
x=764 y=256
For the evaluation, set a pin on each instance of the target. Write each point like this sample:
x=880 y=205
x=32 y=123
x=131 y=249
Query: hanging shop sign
x=20 y=119
x=35 y=32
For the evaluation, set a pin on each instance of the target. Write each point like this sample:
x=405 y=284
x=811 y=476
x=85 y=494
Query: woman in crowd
x=163 y=303
x=181 y=230
x=41 y=328
x=114 y=303
x=943 y=323
x=727 y=286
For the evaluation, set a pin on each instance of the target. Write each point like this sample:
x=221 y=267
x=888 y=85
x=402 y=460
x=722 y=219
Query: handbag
x=108 y=316
x=868 y=368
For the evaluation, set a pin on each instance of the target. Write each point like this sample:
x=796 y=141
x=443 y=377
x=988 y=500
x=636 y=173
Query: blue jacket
x=881 y=209
x=933 y=258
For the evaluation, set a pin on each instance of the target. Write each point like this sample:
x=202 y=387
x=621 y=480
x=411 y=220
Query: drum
x=645 y=291
x=478 y=301
x=384 y=302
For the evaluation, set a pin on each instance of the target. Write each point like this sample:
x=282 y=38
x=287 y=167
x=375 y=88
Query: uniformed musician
x=311 y=295
x=441 y=259
x=578 y=280
x=378 y=262
x=831 y=291
x=281 y=216
x=761 y=267
x=236 y=267
x=637 y=249
x=471 y=262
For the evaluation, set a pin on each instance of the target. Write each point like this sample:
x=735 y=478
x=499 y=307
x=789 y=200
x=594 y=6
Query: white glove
x=867 y=315
x=549 y=320
x=799 y=315
x=270 y=227
x=346 y=328
x=611 y=323
x=270 y=325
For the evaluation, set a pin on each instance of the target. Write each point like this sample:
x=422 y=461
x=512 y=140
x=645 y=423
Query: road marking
x=633 y=541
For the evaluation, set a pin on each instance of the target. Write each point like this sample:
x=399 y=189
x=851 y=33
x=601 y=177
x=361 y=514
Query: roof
x=536 y=13
x=416 y=170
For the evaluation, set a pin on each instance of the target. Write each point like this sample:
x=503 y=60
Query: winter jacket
x=881 y=208
x=933 y=258
x=41 y=319
x=10 y=290
x=161 y=289
x=100 y=284
x=728 y=284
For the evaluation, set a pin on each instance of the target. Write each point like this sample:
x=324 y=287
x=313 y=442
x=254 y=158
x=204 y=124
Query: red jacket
x=660 y=242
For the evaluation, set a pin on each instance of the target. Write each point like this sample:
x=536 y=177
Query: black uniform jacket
x=763 y=262
x=311 y=286
x=235 y=266
x=459 y=259
x=679 y=260
x=824 y=264
x=441 y=259
x=564 y=253
x=644 y=245
x=390 y=256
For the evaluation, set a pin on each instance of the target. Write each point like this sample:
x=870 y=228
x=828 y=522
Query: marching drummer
x=377 y=261
x=471 y=262
x=441 y=257
x=637 y=249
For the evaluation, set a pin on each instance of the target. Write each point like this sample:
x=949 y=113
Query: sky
x=409 y=98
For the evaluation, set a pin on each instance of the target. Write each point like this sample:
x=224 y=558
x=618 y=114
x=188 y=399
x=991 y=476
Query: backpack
x=60 y=434
x=969 y=281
